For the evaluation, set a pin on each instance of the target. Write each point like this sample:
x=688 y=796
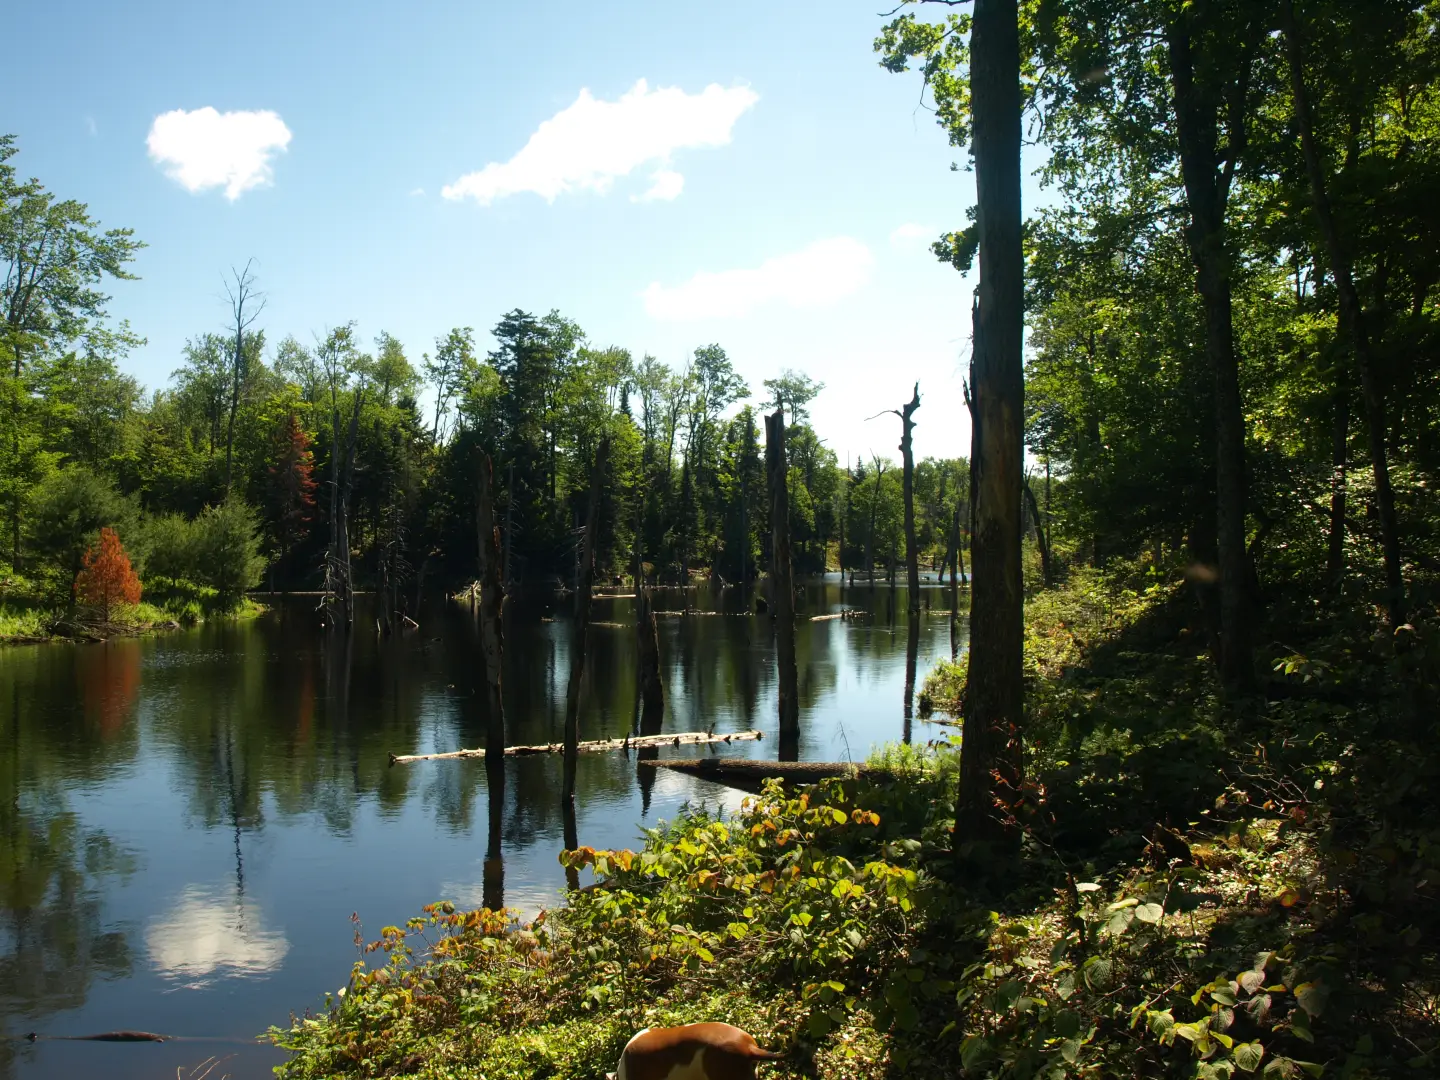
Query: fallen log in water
x=747 y=775
x=628 y=742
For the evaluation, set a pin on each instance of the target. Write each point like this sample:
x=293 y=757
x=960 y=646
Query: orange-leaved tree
x=107 y=578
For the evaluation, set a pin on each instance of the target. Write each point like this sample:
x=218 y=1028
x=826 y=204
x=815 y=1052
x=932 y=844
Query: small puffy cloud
x=417 y=191
x=665 y=184
x=911 y=235
x=587 y=145
x=815 y=276
x=206 y=149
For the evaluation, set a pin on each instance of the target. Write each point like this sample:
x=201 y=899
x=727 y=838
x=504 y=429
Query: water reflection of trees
x=54 y=937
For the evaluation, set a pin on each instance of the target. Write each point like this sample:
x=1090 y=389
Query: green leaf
x=1312 y=997
x=974 y=1050
x=1067 y=1023
x=1119 y=923
x=1150 y=913
x=1097 y=973
x=1247 y=1056
x=1070 y=1050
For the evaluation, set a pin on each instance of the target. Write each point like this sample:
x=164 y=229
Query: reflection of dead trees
x=584 y=583
x=912 y=654
x=652 y=690
x=492 y=887
x=492 y=650
x=783 y=598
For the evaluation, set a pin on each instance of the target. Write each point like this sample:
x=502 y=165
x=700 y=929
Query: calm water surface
x=188 y=821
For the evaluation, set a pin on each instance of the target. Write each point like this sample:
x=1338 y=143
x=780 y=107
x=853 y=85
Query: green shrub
x=172 y=548
x=226 y=551
x=66 y=515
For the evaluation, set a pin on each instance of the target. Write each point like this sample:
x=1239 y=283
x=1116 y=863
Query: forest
x=1185 y=823
x=242 y=470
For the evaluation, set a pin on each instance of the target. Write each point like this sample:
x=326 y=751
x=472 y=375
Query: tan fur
x=691 y=1052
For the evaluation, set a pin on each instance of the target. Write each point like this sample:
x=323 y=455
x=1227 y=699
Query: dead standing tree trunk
x=582 y=624
x=994 y=694
x=782 y=586
x=907 y=457
x=342 y=478
x=242 y=295
x=1041 y=540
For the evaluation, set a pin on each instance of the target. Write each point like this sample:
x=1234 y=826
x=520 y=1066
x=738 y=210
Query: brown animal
x=691 y=1052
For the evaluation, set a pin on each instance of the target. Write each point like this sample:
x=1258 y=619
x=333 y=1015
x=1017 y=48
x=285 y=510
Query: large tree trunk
x=994 y=694
x=1206 y=190
x=1352 y=323
x=907 y=458
x=782 y=586
x=582 y=623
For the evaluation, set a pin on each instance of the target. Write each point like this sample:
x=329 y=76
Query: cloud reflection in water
x=209 y=934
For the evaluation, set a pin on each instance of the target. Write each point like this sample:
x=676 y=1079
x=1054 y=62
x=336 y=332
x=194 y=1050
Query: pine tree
x=107 y=578
x=292 y=487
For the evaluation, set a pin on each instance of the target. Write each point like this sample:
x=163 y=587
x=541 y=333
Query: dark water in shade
x=187 y=821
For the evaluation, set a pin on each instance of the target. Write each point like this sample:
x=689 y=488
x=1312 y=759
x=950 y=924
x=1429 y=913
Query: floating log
x=628 y=742
x=747 y=775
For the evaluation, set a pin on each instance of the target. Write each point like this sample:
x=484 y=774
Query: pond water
x=188 y=821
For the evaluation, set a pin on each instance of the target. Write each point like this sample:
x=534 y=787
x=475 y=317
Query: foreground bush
x=1199 y=893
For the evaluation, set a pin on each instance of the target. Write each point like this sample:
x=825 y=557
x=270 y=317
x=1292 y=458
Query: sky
x=667 y=175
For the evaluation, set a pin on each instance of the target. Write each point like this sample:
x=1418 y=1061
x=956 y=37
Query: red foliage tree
x=106 y=578
x=292 y=488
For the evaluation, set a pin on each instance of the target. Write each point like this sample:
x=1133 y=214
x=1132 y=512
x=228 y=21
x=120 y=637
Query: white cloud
x=910 y=234
x=586 y=146
x=205 y=149
x=207 y=932
x=417 y=191
x=665 y=184
x=815 y=276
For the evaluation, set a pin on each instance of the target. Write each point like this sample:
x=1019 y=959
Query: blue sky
x=809 y=182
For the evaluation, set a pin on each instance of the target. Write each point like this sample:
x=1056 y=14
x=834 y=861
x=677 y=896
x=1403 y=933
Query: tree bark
x=1353 y=323
x=783 y=585
x=1206 y=190
x=582 y=622
x=990 y=760
x=907 y=458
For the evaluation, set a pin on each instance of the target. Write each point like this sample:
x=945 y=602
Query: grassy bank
x=1202 y=890
x=30 y=614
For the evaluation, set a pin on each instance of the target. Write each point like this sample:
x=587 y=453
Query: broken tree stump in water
x=628 y=742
